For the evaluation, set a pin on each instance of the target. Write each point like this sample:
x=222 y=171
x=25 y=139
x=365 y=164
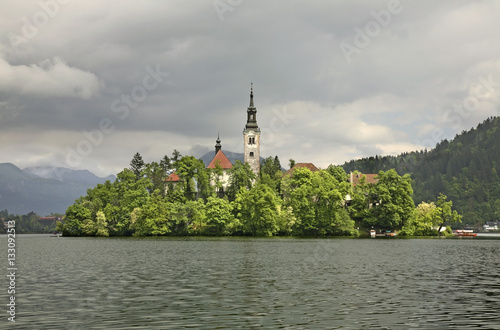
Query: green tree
x=195 y=178
x=360 y=199
x=137 y=165
x=219 y=215
x=240 y=176
x=445 y=212
x=127 y=194
x=216 y=175
x=187 y=217
x=166 y=165
x=75 y=216
x=99 y=196
x=196 y=216
x=176 y=156
x=270 y=173
x=317 y=201
x=88 y=227
x=156 y=174
x=429 y=216
x=101 y=224
x=151 y=218
x=175 y=193
x=203 y=176
x=328 y=200
x=298 y=195
x=257 y=210
x=422 y=222
x=392 y=203
x=338 y=174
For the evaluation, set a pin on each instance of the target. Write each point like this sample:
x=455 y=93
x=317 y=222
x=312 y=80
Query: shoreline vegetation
x=141 y=202
x=362 y=236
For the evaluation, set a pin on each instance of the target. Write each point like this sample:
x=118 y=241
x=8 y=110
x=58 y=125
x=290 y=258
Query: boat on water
x=465 y=232
x=373 y=233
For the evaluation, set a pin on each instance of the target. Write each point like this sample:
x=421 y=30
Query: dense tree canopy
x=463 y=169
x=303 y=203
x=429 y=218
x=317 y=202
x=240 y=176
x=391 y=201
x=27 y=223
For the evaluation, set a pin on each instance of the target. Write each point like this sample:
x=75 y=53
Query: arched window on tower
x=251 y=153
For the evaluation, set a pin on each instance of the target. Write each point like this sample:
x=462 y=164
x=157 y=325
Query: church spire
x=251 y=113
x=251 y=97
x=218 y=146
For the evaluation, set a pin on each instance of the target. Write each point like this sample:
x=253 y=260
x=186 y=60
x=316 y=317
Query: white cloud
x=48 y=79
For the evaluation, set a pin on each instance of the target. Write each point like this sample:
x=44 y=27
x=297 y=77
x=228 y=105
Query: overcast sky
x=86 y=84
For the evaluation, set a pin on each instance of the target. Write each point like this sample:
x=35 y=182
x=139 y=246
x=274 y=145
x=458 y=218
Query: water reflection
x=246 y=283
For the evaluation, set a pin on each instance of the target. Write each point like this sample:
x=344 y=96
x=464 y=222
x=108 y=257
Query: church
x=251 y=143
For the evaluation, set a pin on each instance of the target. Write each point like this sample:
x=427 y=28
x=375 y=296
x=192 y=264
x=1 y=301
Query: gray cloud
x=396 y=94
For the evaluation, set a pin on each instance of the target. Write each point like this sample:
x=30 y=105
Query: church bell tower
x=251 y=137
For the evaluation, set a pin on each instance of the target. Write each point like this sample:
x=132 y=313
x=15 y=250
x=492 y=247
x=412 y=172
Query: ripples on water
x=66 y=283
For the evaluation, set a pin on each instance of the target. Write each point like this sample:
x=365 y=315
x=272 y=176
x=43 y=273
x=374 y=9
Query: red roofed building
x=370 y=178
x=172 y=180
x=309 y=166
x=220 y=159
x=354 y=180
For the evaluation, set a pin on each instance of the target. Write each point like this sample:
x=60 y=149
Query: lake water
x=122 y=283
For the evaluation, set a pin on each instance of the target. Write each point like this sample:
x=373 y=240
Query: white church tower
x=251 y=137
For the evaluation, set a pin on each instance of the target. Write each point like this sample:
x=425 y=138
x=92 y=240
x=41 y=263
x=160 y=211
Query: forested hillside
x=464 y=169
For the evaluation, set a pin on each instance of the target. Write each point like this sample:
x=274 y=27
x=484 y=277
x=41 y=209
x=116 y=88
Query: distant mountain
x=67 y=175
x=43 y=190
x=464 y=169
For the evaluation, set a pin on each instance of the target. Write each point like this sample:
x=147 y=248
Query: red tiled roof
x=225 y=163
x=370 y=178
x=173 y=178
x=310 y=166
x=48 y=218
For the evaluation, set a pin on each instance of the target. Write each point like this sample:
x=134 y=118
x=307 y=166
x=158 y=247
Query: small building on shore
x=490 y=225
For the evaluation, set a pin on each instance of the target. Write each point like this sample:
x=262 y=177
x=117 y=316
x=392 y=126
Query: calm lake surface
x=122 y=283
